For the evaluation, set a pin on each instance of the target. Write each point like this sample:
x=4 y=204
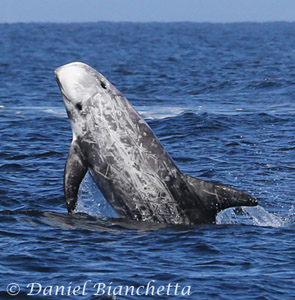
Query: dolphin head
x=79 y=85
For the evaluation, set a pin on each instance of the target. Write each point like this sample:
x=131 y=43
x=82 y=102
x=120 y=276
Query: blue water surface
x=220 y=97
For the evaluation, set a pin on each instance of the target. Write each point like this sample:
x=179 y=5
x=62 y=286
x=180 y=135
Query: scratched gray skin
x=127 y=162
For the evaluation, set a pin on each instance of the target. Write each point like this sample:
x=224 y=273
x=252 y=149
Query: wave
x=160 y=112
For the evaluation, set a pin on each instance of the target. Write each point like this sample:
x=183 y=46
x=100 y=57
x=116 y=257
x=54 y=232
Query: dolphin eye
x=79 y=106
x=103 y=85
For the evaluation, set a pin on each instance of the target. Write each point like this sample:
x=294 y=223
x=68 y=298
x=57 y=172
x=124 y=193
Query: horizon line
x=141 y=22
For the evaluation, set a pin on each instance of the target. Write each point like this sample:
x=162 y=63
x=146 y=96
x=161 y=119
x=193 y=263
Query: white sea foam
x=55 y=111
x=162 y=112
x=147 y=112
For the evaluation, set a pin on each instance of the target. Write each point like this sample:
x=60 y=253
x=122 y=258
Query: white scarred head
x=79 y=84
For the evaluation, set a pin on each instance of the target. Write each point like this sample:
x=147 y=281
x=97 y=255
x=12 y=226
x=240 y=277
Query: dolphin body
x=126 y=160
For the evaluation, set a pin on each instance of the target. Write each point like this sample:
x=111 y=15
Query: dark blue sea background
x=220 y=97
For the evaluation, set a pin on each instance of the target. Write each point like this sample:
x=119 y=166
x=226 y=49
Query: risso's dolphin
x=126 y=160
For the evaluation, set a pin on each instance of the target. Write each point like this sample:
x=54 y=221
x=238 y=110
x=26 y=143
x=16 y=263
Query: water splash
x=291 y=216
x=257 y=216
x=92 y=202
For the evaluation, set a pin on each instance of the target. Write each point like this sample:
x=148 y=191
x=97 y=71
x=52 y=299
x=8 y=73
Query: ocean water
x=220 y=97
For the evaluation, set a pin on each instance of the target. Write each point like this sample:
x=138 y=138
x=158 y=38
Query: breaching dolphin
x=126 y=160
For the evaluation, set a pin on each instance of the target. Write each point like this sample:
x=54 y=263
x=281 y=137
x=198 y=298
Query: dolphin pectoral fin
x=74 y=173
x=216 y=197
